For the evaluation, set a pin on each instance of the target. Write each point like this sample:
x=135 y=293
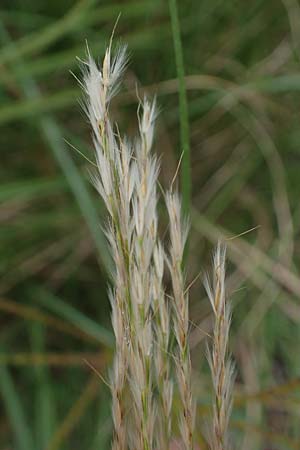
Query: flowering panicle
x=114 y=180
x=178 y=236
x=221 y=366
x=127 y=182
x=142 y=313
x=144 y=216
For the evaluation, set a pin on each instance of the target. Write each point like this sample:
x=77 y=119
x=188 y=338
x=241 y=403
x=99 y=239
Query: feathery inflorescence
x=221 y=365
x=178 y=236
x=141 y=294
x=142 y=312
x=115 y=183
x=127 y=181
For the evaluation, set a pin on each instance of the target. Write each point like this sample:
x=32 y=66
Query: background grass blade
x=15 y=411
x=54 y=139
x=45 y=408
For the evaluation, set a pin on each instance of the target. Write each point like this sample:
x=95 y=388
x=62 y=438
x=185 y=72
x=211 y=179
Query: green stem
x=183 y=110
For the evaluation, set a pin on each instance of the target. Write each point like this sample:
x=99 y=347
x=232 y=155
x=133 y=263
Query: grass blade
x=44 y=398
x=15 y=411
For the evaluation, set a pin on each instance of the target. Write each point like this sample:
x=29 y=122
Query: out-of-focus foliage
x=243 y=82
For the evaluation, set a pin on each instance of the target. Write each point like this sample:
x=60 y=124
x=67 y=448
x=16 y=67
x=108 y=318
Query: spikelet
x=178 y=236
x=144 y=240
x=162 y=354
x=221 y=366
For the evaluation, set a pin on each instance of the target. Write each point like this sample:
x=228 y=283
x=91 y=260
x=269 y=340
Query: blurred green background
x=242 y=63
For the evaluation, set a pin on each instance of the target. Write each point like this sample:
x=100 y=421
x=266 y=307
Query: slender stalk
x=221 y=366
x=183 y=110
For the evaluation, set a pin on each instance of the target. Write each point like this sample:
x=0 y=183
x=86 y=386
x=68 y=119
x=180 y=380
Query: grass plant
x=240 y=73
x=142 y=318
